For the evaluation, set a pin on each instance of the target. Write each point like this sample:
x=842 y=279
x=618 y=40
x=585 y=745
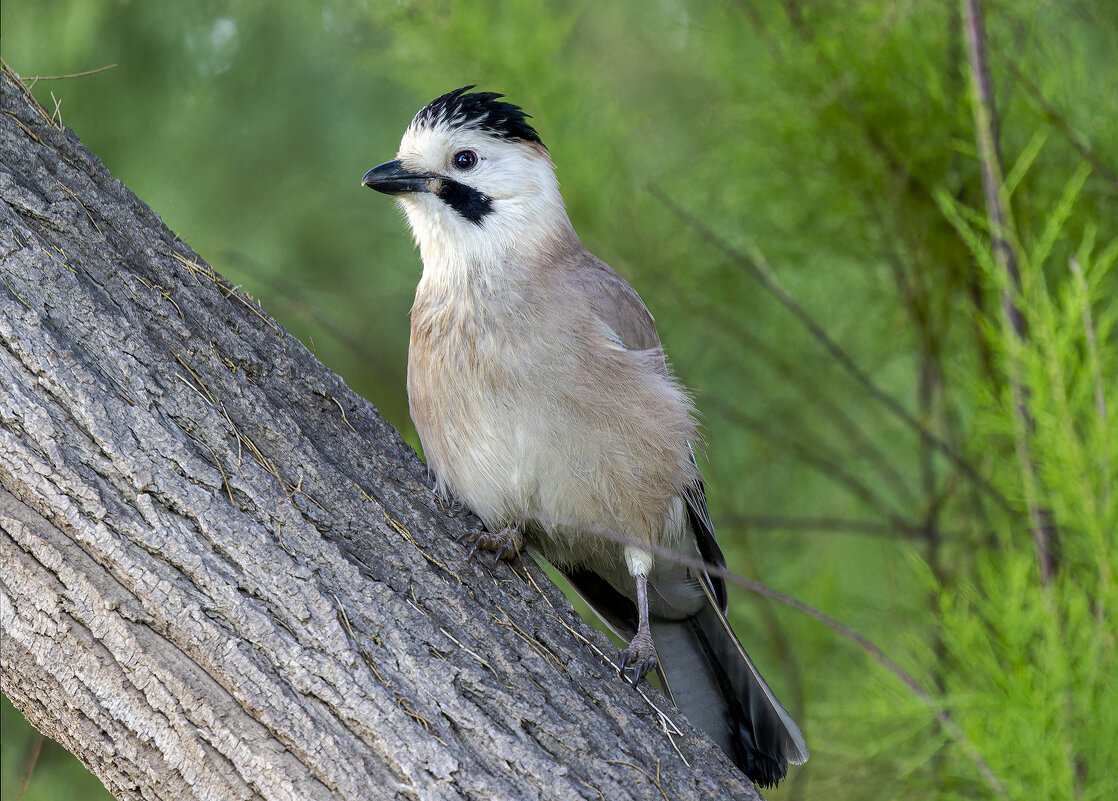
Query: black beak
x=392 y=179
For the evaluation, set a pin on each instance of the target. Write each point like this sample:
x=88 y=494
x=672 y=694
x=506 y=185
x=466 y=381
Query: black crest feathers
x=482 y=110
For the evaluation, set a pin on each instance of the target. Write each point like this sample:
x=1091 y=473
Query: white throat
x=454 y=249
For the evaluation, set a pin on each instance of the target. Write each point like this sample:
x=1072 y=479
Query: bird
x=544 y=402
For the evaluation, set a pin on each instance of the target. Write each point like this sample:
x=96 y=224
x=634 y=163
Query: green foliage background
x=833 y=141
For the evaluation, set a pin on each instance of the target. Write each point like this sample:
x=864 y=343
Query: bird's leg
x=640 y=656
x=506 y=543
x=452 y=504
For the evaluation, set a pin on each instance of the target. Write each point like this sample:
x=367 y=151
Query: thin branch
x=823 y=404
x=1092 y=340
x=29 y=763
x=796 y=18
x=766 y=279
x=989 y=153
x=1076 y=139
x=913 y=289
x=34 y=79
x=929 y=385
x=820 y=463
x=879 y=656
x=759 y=28
x=1093 y=358
x=828 y=524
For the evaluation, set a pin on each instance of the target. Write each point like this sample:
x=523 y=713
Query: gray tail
x=713 y=680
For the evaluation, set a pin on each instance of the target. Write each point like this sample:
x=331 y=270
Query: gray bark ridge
x=223 y=575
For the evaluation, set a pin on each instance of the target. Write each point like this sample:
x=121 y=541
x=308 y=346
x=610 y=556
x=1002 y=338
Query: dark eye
x=465 y=159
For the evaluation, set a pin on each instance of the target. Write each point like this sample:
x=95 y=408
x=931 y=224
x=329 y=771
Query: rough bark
x=223 y=573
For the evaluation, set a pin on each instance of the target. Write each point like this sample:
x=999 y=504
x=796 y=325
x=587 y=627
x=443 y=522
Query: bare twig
x=29 y=765
x=827 y=467
x=928 y=385
x=1093 y=358
x=25 y=90
x=36 y=78
x=1092 y=340
x=56 y=115
x=942 y=715
x=986 y=136
x=828 y=524
x=1077 y=140
x=800 y=376
x=654 y=779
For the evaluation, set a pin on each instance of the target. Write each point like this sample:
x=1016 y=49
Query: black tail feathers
x=713 y=680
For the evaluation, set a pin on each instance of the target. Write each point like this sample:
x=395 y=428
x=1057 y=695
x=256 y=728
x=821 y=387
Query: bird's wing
x=703 y=530
x=617 y=304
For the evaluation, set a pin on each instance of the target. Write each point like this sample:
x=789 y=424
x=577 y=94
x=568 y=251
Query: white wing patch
x=612 y=336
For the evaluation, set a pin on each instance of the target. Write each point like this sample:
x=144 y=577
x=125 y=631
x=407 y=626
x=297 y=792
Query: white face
x=493 y=198
x=502 y=169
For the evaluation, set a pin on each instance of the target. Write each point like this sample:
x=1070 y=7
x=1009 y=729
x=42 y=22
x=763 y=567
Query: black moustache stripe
x=465 y=200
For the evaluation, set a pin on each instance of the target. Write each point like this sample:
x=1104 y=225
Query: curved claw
x=638 y=659
x=636 y=671
x=506 y=543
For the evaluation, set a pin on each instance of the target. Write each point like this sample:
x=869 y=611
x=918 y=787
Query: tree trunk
x=223 y=573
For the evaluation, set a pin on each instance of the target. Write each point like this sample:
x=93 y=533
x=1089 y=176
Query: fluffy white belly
x=512 y=460
x=576 y=437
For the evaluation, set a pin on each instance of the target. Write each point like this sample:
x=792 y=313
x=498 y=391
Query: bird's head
x=476 y=183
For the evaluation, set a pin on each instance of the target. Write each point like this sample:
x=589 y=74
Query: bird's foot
x=638 y=658
x=506 y=543
x=451 y=505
